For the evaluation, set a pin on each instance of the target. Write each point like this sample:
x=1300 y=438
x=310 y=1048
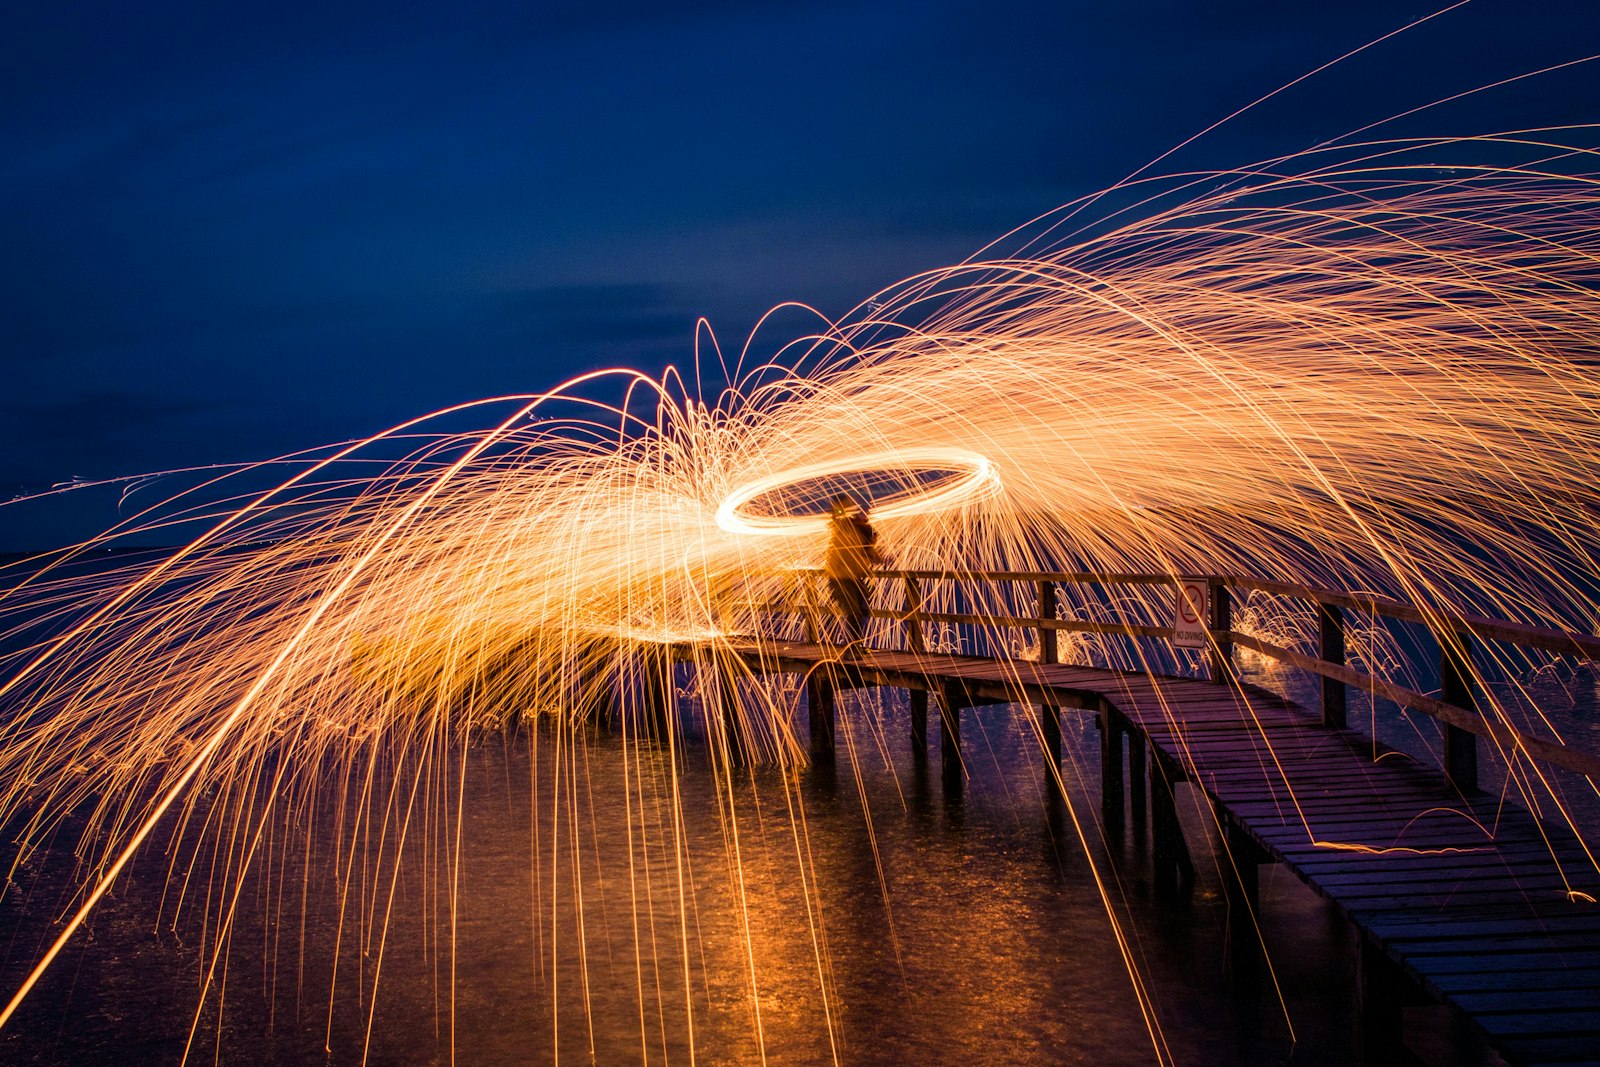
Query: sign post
x=1190 y=614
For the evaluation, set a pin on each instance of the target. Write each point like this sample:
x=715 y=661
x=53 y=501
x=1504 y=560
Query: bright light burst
x=1373 y=368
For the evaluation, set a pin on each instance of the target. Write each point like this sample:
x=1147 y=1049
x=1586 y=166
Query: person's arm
x=869 y=539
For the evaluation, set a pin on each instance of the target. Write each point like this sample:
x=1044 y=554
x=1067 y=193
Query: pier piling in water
x=1173 y=866
x=822 y=711
x=1113 y=727
x=653 y=668
x=919 y=724
x=734 y=733
x=1050 y=737
x=1241 y=886
x=1138 y=785
x=954 y=774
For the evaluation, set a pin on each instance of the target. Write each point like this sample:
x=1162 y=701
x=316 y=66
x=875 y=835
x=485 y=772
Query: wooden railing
x=1455 y=708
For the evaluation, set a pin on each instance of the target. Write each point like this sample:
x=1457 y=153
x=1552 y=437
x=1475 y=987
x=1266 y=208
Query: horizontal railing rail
x=1580 y=646
x=1455 y=708
x=1449 y=714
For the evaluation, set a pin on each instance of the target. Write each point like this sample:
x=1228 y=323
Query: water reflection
x=609 y=910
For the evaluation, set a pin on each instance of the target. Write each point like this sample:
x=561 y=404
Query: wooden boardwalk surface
x=1475 y=901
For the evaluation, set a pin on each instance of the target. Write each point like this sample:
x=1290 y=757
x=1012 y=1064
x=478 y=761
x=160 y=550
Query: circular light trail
x=973 y=475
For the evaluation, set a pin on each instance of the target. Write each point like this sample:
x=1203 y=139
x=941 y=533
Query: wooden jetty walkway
x=1457 y=897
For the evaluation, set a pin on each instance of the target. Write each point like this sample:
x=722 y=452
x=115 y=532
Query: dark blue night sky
x=228 y=234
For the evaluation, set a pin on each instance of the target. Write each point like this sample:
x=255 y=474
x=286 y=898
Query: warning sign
x=1189 y=616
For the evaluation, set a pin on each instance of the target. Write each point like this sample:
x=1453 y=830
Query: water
x=891 y=925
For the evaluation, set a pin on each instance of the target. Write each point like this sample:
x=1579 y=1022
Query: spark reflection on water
x=981 y=938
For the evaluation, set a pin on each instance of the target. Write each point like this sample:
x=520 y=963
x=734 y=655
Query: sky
x=229 y=232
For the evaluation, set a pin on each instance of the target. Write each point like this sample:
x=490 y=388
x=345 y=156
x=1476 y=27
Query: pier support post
x=1112 y=729
x=821 y=705
x=1246 y=857
x=593 y=691
x=1050 y=732
x=919 y=724
x=1380 y=1000
x=950 y=766
x=655 y=691
x=1138 y=785
x=1330 y=647
x=1241 y=882
x=1174 y=868
x=1456 y=687
x=733 y=733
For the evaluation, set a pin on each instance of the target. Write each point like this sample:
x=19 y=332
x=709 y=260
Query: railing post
x=1049 y=651
x=809 y=609
x=1222 y=668
x=1330 y=648
x=915 y=640
x=1456 y=687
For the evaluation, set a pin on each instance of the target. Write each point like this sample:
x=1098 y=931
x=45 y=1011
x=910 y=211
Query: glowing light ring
x=974 y=475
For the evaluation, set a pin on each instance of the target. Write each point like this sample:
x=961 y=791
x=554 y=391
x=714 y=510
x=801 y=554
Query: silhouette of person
x=852 y=553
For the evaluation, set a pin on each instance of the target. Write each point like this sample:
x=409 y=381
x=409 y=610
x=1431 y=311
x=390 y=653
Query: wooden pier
x=1456 y=896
